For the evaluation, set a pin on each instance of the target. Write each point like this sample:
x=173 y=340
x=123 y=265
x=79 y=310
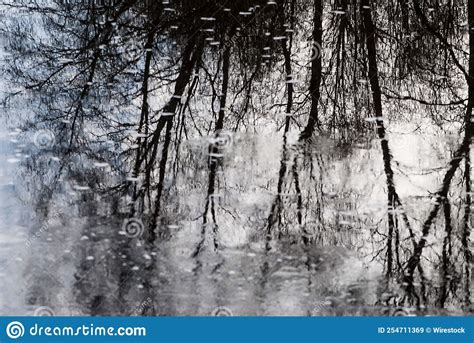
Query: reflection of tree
x=277 y=206
x=442 y=195
x=394 y=205
x=217 y=150
x=127 y=89
x=190 y=56
x=466 y=225
x=316 y=71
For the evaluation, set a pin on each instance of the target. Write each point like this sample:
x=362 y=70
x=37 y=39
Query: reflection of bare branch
x=424 y=20
x=316 y=72
x=276 y=208
x=446 y=271
x=191 y=55
x=439 y=198
x=214 y=150
x=393 y=200
x=466 y=232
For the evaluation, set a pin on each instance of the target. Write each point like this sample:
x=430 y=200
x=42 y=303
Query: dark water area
x=82 y=254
